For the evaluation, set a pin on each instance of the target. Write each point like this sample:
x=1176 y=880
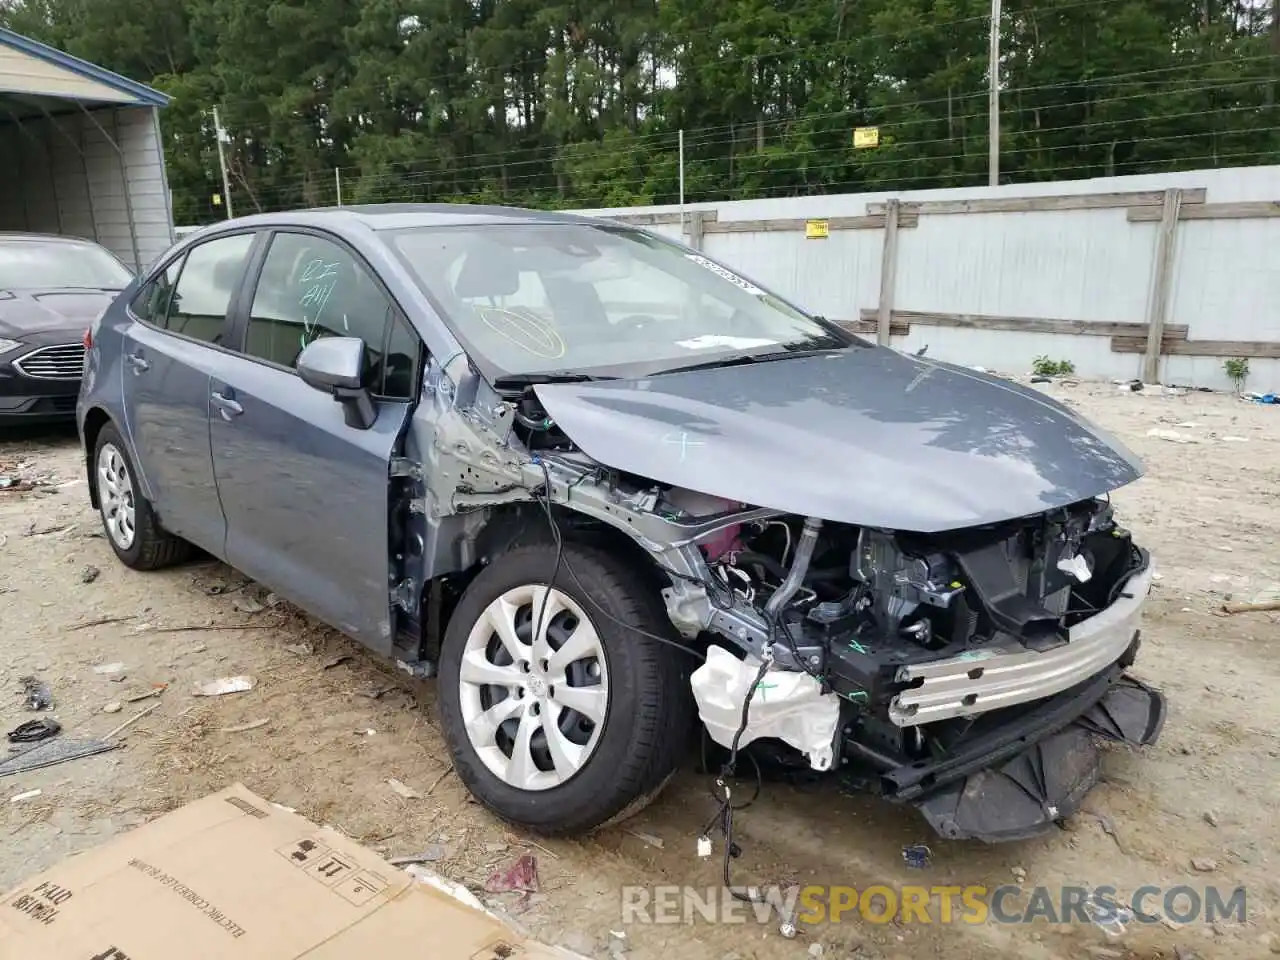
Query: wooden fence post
x=888 y=272
x=1161 y=282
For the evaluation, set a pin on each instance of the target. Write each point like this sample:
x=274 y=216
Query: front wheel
x=579 y=725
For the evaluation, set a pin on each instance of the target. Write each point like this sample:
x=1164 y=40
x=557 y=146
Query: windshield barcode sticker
x=733 y=278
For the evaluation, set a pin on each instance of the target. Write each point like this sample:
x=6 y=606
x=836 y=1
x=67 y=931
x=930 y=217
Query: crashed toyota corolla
x=618 y=490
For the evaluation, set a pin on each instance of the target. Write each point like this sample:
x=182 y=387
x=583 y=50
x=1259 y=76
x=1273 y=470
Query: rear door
x=174 y=343
x=306 y=497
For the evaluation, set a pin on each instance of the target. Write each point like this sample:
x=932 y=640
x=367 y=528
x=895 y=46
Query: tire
x=647 y=708
x=142 y=543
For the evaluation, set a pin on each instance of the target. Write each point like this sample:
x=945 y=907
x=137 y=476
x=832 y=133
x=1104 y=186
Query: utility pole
x=221 y=136
x=993 y=105
x=681 y=153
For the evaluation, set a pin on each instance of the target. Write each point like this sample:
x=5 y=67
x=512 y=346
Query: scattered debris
x=1109 y=829
x=247 y=605
x=89 y=574
x=36 y=694
x=224 y=685
x=402 y=790
x=115 y=706
x=815 y=951
x=1235 y=439
x=1107 y=915
x=155 y=691
x=432 y=853
x=33 y=731
x=917 y=856
x=30 y=794
x=1173 y=436
x=34 y=531
x=520 y=877
x=131 y=721
x=301 y=649
x=1019 y=873
x=244 y=727
x=101 y=621
x=1247 y=607
x=1204 y=864
x=108 y=668
x=1210 y=818
x=648 y=838
x=51 y=753
x=435 y=783
x=337 y=661
x=376 y=693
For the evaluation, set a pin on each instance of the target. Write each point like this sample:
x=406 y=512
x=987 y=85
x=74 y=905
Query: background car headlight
x=7 y=345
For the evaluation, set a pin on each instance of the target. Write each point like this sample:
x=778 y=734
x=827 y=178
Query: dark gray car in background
x=51 y=289
x=606 y=490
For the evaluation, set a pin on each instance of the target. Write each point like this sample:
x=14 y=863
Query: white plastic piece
x=704 y=846
x=787 y=706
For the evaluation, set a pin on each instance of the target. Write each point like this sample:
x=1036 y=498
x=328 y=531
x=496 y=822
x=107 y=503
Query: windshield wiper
x=739 y=359
x=517 y=380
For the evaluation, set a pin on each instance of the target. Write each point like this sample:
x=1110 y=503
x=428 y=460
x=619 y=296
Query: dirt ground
x=1208 y=510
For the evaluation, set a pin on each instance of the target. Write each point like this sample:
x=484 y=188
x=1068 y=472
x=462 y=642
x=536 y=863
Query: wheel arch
x=94 y=420
x=521 y=524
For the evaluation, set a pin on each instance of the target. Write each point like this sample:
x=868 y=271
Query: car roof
x=394 y=216
x=43 y=237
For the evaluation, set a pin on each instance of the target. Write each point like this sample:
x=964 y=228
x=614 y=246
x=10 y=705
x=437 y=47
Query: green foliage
x=562 y=103
x=1044 y=367
x=1237 y=369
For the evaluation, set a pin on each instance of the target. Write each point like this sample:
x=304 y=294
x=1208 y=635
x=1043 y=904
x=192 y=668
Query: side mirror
x=334 y=365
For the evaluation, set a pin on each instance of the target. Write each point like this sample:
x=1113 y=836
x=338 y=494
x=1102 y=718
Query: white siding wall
x=1088 y=265
x=67 y=177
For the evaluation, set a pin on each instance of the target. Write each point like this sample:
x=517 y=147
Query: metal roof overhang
x=37 y=80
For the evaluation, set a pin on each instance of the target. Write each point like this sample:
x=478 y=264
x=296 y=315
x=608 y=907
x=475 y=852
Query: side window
x=198 y=307
x=311 y=288
x=400 y=370
x=151 y=303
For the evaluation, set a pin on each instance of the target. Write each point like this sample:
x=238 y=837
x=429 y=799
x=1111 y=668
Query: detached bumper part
x=787 y=706
x=1024 y=796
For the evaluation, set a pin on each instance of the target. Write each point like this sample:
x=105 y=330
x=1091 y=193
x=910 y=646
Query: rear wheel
x=577 y=724
x=127 y=518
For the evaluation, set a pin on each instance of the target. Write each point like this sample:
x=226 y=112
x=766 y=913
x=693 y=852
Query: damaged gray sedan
x=608 y=491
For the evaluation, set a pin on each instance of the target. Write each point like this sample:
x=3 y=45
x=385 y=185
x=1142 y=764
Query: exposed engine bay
x=994 y=652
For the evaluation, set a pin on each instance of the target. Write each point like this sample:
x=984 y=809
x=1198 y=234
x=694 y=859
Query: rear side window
x=210 y=274
x=311 y=288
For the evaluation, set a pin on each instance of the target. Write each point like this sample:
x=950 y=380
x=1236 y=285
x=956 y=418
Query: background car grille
x=63 y=361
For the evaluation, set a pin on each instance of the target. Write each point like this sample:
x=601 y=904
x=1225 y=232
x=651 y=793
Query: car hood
x=39 y=311
x=865 y=435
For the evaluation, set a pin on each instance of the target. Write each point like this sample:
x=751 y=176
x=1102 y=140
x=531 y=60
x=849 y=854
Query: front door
x=306 y=496
x=173 y=345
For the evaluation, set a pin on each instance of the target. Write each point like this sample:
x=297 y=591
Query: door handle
x=137 y=361
x=226 y=406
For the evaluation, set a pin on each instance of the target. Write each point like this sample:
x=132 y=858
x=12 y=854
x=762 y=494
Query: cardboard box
x=232 y=876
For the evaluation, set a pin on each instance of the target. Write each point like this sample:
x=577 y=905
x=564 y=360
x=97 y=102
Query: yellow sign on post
x=864 y=137
x=816 y=229
x=217 y=199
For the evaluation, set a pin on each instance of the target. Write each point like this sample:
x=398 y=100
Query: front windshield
x=47 y=264
x=535 y=298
